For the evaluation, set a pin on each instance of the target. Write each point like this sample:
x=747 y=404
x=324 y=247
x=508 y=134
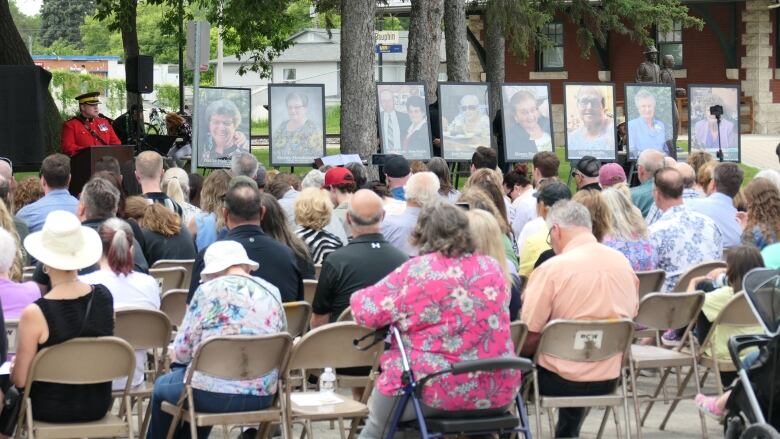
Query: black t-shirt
x=178 y=246
x=278 y=264
x=365 y=261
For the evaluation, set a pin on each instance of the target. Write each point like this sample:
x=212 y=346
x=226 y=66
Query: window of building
x=671 y=43
x=288 y=75
x=551 y=58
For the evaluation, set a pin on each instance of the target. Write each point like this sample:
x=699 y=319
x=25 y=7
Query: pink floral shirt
x=447 y=310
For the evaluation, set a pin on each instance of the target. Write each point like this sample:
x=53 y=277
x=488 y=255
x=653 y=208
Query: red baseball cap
x=337 y=176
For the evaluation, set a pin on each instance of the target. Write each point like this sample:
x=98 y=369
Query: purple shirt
x=16 y=296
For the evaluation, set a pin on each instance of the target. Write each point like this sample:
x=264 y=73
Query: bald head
x=366 y=212
x=8 y=174
x=688 y=174
x=669 y=162
x=650 y=161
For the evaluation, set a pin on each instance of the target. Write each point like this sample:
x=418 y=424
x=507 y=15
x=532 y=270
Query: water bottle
x=328 y=381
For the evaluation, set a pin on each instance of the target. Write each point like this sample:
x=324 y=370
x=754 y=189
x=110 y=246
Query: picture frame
x=296 y=124
x=394 y=123
x=223 y=126
x=464 y=116
x=649 y=118
x=590 y=130
x=701 y=97
x=532 y=111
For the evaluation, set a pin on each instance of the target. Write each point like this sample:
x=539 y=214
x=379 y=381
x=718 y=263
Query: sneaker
x=708 y=405
x=670 y=338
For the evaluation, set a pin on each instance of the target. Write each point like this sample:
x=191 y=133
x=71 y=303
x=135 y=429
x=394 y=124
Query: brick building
x=738 y=45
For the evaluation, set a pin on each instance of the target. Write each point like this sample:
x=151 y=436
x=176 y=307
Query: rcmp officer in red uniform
x=87 y=128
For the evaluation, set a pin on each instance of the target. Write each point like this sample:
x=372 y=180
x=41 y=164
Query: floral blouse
x=231 y=305
x=447 y=310
x=639 y=252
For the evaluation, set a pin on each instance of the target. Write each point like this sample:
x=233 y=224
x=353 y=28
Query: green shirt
x=714 y=302
x=642 y=196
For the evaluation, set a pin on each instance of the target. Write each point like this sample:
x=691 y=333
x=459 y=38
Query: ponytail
x=173 y=190
x=117 y=238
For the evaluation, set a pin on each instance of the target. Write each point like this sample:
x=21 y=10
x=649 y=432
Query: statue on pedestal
x=667 y=77
x=649 y=71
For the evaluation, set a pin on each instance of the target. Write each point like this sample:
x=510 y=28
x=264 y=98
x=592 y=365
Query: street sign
x=387 y=37
x=204 y=42
x=388 y=48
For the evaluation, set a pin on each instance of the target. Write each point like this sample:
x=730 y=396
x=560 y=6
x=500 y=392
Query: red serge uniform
x=78 y=133
x=82 y=132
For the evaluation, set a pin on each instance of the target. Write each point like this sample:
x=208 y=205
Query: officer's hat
x=90 y=98
x=651 y=49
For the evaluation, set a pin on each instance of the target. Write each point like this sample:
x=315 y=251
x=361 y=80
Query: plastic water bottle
x=328 y=381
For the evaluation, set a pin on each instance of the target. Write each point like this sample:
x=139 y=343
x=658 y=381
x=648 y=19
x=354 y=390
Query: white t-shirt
x=136 y=290
x=525 y=211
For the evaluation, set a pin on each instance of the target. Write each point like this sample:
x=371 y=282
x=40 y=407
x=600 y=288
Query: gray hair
x=422 y=188
x=771 y=175
x=7 y=250
x=223 y=107
x=100 y=198
x=643 y=94
x=444 y=228
x=567 y=214
x=652 y=160
x=244 y=163
x=362 y=221
x=314 y=178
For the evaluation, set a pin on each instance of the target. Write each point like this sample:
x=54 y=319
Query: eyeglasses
x=592 y=102
x=469 y=107
x=575 y=173
x=549 y=237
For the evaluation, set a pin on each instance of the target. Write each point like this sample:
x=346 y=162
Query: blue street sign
x=388 y=48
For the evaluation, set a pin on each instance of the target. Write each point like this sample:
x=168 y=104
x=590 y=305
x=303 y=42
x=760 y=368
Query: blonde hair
x=313 y=208
x=627 y=222
x=7 y=222
x=176 y=184
x=486 y=234
x=212 y=195
x=599 y=214
x=485 y=174
x=623 y=188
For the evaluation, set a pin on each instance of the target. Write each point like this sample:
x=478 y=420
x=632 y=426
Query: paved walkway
x=758 y=150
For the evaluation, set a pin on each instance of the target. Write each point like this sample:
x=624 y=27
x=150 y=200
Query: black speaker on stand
x=140 y=74
x=139 y=78
x=23 y=92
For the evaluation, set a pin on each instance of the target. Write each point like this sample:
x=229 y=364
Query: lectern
x=82 y=165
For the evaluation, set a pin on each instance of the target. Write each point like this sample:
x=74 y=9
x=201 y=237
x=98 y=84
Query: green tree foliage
x=28 y=26
x=61 y=19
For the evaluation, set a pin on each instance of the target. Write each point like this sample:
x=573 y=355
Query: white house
x=314 y=58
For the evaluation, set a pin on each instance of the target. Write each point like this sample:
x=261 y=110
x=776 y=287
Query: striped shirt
x=162 y=198
x=320 y=243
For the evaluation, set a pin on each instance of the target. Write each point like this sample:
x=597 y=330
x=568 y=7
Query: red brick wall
x=703 y=57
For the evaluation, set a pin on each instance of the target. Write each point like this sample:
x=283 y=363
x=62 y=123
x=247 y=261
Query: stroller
x=455 y=423
x=752 y=410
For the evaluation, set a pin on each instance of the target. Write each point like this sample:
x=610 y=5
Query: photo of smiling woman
x=590 y=121
x=526 y=120
x=402 y=119
x=223 y=128
x=299 y=138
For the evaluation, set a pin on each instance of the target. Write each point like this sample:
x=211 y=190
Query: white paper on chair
x=5 y=368
x=314 y=399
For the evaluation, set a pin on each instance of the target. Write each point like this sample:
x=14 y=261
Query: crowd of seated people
x=449 y=267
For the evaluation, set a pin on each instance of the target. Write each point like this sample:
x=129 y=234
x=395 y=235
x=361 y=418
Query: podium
x=82 y=165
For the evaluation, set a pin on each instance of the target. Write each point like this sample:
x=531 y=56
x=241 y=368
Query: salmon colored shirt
x=587 y=281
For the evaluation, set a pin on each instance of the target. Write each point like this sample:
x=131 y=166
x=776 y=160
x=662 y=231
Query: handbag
x=12 y=400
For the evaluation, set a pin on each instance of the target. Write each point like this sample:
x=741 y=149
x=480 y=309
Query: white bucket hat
x=64 y=244
x=222 y=255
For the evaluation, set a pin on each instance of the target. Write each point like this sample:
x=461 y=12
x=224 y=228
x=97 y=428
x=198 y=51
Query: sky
x=29 y=7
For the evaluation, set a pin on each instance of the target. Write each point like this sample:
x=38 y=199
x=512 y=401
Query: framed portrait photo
x=526 y=120
x=465 y=119
x=296 y=123
x=403 y=120
x=589 y=118
x=650 y=119
x=223 y=125
x=713 y=120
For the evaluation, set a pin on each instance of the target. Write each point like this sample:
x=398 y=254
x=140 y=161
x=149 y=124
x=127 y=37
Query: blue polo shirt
x=34 y=214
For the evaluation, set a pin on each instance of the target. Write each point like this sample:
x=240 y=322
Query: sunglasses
x=469 y=107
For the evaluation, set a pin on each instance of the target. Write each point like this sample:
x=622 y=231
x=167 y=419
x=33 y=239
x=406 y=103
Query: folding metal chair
x=650 y=281
x=696 y=271
x=298 y=315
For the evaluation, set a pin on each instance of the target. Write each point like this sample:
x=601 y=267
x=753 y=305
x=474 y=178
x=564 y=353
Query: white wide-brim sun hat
x=64 y=244
x=222 y=255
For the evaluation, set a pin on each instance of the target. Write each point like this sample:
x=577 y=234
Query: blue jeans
x=168 y=387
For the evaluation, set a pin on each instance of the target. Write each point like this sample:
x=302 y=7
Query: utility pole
x=181 y=56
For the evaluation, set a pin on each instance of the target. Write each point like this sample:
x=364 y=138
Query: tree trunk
x=358 y=92
x=456 y=41
x=129 y=29
x=494 y=57
x=14 y=52
x=422 y=58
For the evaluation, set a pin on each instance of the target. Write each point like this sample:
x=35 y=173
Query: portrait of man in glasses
x=465 y=120
x=590 y=126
